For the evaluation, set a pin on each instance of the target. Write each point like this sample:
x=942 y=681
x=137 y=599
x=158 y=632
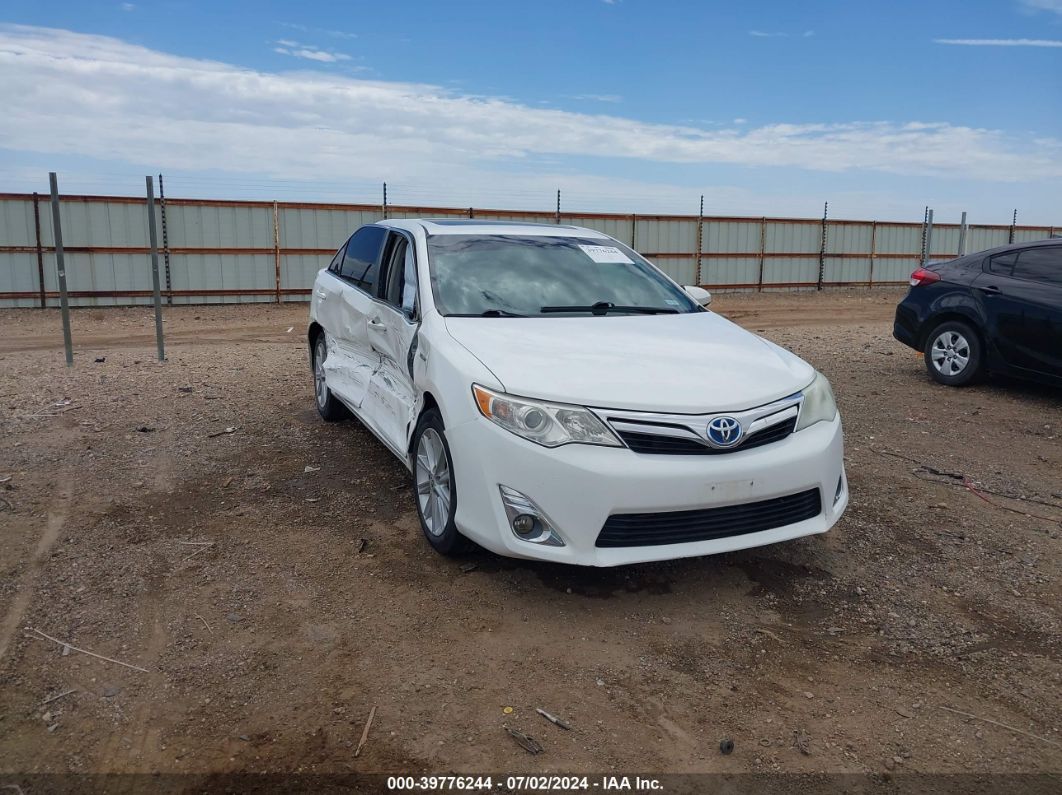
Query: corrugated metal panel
x=794 y=238
x=670 y=237
x=681 y=269
x=979 y=238
x=16 y=222
x=848 y=238
x=718 y=271
x=619 y=228
x=787 y=270
x=897 y=269
x=893 y=239
x=18 y=274
x=731 y=236
x=297 y=271
x=223 y=272
x=1029 y=235
x=216 y=226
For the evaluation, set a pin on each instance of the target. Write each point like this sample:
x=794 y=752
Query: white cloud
x=1043 y=5
x=72 y=94
x=763 y=34
x=308 y=51
x=128 y=7
x=339 y=34
x=1001 y=42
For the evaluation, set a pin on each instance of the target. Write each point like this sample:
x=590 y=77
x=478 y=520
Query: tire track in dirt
x=52 y=528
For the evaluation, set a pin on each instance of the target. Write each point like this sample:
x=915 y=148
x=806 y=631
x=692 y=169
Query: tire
x=434 y=489
x=328 y=406
x=953 y=354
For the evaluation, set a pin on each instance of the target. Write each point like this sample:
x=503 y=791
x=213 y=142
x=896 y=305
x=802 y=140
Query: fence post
x=634 y=230
x=558 y=206
x=471 y=212
x=822 y=248
x=40 y=250
x=700 y=239
x=276 y=248
x=60 y=264
x=165 y=243
x=763 y=252
x=929 y=239
x=154 y=244
x=873 y=251
x=384 y=205
x=962 y=235
x=1013 y=223
x=922 y=252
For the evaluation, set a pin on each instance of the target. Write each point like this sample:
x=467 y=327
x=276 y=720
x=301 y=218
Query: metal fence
x=218 y=251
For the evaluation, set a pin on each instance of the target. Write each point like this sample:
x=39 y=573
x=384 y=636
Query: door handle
x=376 y=323
x=989 y=289
x=322 y=295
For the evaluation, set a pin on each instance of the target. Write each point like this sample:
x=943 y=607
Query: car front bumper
x=578 y=487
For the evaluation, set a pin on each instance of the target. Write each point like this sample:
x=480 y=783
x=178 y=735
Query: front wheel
x=436 y=491
x=953 y=354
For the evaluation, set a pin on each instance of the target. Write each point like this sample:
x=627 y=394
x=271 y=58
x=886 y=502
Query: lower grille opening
x=706 y=524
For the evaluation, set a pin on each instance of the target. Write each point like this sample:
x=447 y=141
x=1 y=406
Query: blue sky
x=764 y=107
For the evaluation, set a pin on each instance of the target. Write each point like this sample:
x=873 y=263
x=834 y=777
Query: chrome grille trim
x=693 y=427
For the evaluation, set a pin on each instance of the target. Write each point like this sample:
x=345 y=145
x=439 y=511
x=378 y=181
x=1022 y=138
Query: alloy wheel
x=432 y=471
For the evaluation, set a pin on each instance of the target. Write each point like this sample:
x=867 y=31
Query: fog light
x=840 y=489
x=528 y=521
x=524 y=523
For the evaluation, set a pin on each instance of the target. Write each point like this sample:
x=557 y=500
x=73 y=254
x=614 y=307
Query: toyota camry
x=556 y=396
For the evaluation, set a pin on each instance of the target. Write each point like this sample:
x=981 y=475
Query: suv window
x=361 y=262
x=1040 y=265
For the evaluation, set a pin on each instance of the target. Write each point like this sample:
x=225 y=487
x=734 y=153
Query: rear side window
x=361 y=261
x=337 y=261
x=1040 y=265
x=1003 y=264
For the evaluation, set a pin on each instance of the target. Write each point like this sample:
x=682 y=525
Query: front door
x=392 y=328
x=1022 y=295
x=351 y=359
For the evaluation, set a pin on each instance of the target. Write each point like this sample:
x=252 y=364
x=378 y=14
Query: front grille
x=656 y=443
x=680 y=527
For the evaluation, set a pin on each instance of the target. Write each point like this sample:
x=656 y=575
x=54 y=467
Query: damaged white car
x=558 y=397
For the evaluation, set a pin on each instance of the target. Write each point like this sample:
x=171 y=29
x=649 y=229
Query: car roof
x=473 y=226
x=1055 y=241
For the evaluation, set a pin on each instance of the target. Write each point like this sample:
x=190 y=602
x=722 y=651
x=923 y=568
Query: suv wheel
x=953 y=354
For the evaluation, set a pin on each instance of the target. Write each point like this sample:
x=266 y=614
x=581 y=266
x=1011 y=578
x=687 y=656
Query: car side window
x=337 y=261
x=1003 y=264
x=1040 y=265
x=401 y=289
x=361 y=260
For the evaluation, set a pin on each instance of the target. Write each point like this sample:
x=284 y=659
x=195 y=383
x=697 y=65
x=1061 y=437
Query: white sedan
x=558 y=397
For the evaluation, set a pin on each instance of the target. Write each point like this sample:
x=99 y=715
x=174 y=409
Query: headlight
x=548 y=424
x=818 y=405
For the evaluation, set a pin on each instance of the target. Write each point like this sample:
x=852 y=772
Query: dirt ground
x=271 y=585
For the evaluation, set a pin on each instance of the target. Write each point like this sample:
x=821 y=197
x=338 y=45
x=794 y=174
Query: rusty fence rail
x=221 y=251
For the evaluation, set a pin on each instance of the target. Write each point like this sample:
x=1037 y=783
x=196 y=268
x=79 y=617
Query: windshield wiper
x=490 y=313
x=604 y=307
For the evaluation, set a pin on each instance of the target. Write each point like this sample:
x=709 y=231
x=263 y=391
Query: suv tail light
x=922 y=276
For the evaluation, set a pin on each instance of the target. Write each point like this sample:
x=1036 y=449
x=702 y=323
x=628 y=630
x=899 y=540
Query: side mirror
x=698 y=294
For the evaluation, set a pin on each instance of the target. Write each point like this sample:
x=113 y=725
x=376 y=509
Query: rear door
x=1023 y=302
x=392 y=328
x=349 y=301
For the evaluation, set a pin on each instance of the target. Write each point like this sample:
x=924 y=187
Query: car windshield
x=546 y=276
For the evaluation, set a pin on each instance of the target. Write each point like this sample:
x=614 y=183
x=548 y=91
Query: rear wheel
x=433 y=479
x=953 y=354
x=328 y=406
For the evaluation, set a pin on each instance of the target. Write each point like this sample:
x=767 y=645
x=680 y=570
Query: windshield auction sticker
x=606 y=254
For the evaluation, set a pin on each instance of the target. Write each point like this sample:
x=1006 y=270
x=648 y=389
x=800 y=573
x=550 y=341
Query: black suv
x=998 y=310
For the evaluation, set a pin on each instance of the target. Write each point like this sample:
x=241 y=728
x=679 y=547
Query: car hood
x=686 y=364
